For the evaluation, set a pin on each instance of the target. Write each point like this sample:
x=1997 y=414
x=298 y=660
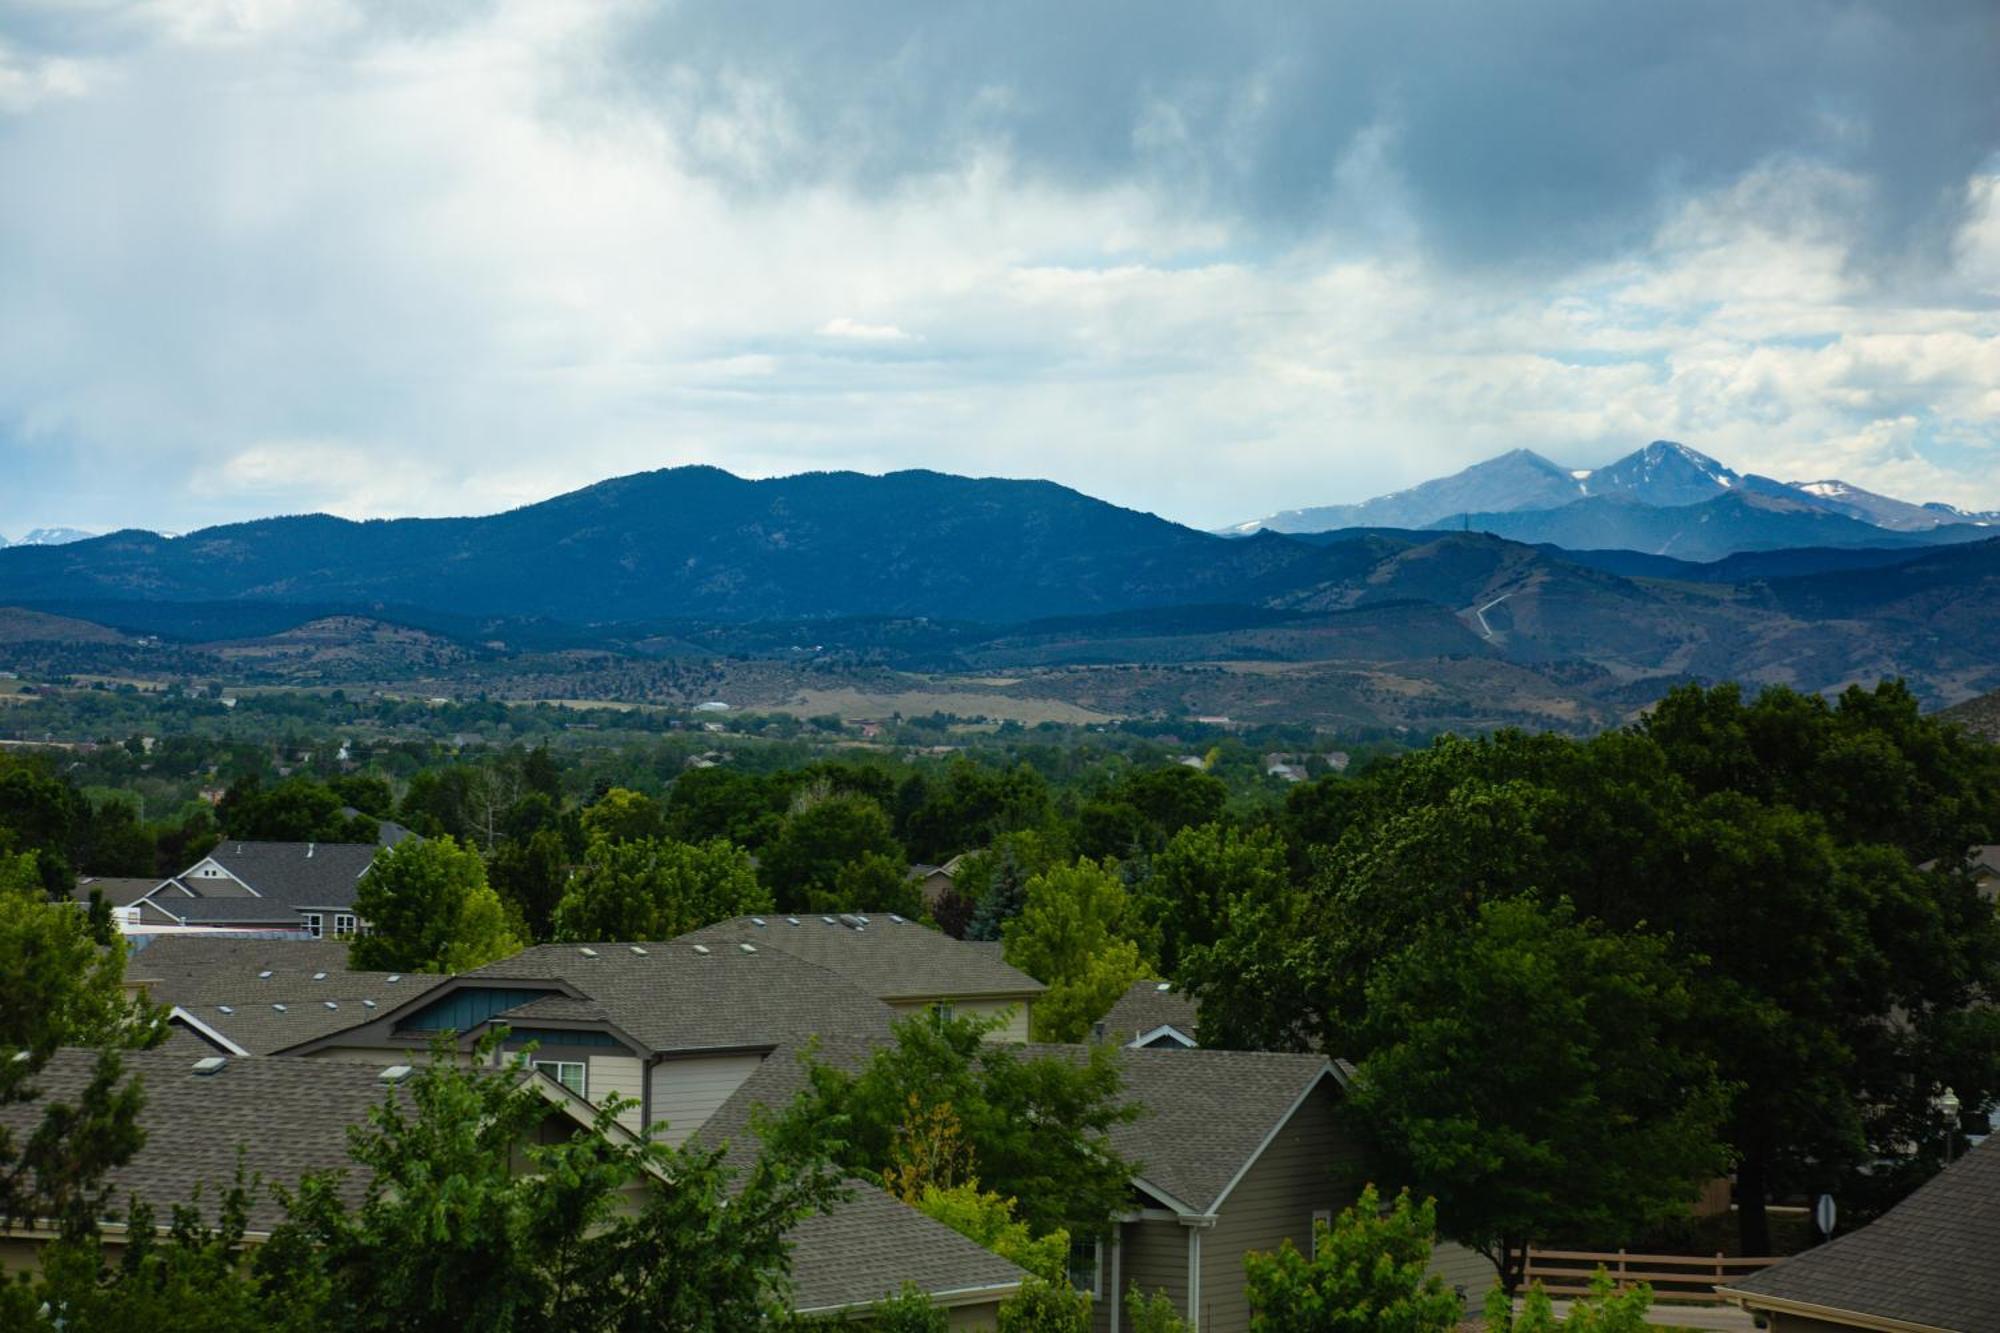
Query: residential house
x=675 y=1027
x=302 y=888
x=908 y=966
x=933 y=882
x=1930 y=1263
x=1151 y=1014
x=1239 y=1151
x=235 y=995
x=288 y=1117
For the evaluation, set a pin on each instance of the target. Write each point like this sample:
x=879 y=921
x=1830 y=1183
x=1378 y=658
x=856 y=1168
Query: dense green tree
x=295 y=810
x=970 y=805
x=623 y=815
x=1074 y=935
x=1173 y=797
x=1585 y=1115
x=1184 y=902
x=531 y=875
x=1037 y=1126
x=874 y=883
x=994 y=883
x=429 y=909
x=820 y=839
x=909 y=1311
x=656 y=889
x=1605 y=1310
x=706 y=803
x=988 y=1220
x=1366 y=1275
x=370 y=793
x=1152 y=1312
x=59 y=984
x=1042 y=1306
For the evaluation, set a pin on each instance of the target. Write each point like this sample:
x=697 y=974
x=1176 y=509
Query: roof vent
x=265 y=975
x=827 y=919
x=319 y=976
x=224 y=1009
x=368 y=1004
x=279 y=1007
x=893 y=917
x=22 y=1057
x=588 y=952
x=853 y=922
x=791 y=921
x=329 y=1004
x=1164 y=987
x=394 y=1074
x=395 y=977
x=757 y=921
x=211 y=1064
x=641 y=952
x=747 y=948
x=701 y=949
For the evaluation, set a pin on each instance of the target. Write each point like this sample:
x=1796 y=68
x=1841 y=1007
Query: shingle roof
x=1147 y=1006
x=673 y=998
x=1928 y=1261
x=1207 y=1113
x=117 y=891
x=866 y=1248
x=304 y=874
x=889 y=958
x=221 y=983
x=289 y=1117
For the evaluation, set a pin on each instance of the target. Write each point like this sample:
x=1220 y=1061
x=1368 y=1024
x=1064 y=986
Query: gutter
x=1754 y=1300
x=948 y=1299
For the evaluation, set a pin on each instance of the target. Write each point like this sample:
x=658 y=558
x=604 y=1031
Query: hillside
x=1981 y=715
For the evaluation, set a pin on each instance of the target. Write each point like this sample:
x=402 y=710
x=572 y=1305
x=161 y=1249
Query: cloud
x=401 y=258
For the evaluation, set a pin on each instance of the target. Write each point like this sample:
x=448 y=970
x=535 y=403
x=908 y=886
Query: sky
x=392 y=257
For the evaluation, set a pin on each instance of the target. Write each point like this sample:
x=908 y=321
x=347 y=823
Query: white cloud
x=313 y=261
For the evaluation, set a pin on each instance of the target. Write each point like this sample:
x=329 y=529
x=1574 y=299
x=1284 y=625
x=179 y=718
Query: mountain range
x=1663 y=499
x=930 y=573
x=49 y=537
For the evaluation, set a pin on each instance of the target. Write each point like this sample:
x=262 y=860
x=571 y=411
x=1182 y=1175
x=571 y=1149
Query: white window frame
x=1096 y=1287
x=1320 y=1215
x=344 y=925
x=943 y=1010
x=315 y=923
x=554 y=1068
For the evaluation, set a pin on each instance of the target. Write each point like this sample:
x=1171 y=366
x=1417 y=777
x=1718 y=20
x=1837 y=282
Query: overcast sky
x=384 y=257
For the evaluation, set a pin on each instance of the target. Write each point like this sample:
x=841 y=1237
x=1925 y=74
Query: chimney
x=309 y=850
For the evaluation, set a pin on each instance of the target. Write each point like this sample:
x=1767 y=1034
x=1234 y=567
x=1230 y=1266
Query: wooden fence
x=1674 y=1277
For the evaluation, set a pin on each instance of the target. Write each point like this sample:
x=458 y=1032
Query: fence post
x=1621 y=1268
x=1719 y=1276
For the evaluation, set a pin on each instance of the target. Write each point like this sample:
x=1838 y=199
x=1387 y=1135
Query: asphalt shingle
x=888 y=957
x=1146 y=1007
x=1932 y=1260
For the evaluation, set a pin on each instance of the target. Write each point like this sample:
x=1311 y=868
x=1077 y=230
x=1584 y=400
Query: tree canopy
x=430 y=909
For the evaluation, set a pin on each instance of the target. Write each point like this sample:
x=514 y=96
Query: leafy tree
x=1186 y=899
x=1042 y=1306
x=531 y=876
x=295 y=810
x=369 y=793
x=988 y=1220
x=909 y=1311
x=1366 y=1275
x=1152 y=1313
x=623 y=815
x=875 y=883
x=818 y=841
x=1175 y=797
x=429 y=909
x=656 y=889
x=973 y=804
x=1037 y=1126
x=1072 y=936
x=58 y=985
x=1604 y=1310
x=706 y=803
x=1585 y=1114
x=995 y=881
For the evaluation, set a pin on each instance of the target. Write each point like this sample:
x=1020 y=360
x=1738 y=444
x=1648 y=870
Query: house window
x=942 y=1009
x=314 y=923
x=343 y=925
x=1086 y=1266
x=569 y=1073
x=1322 y=1217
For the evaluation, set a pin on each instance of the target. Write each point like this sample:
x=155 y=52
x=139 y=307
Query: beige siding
x=967 y=1318
x=624 y=1075
x=687 y=1092
x=1310 y=1166
x=1467 y=1271
x=1154 y=1259
x=371 y=1055
x=221 y=885
x=1015 y=1029
x=1792 y=1323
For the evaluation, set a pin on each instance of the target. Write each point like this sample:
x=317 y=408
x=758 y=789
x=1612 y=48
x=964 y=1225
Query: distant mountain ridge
x=49 y=537
x=1662 y=476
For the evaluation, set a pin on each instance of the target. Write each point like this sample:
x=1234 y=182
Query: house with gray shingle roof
x=1236 y=1151
x=304 y=889
x=1929 y=1264
x=906 y=965
x=673 y=1026
x=1154 y=1014
x=289 y=1117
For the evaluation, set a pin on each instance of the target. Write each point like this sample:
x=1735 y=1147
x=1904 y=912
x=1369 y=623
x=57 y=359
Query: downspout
x=1194 y=1280
x=1117 y=1276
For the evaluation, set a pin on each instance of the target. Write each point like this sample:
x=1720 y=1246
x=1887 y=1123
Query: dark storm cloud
x=1514 y=131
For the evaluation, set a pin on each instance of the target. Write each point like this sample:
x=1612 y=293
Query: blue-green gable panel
x=464 y=1010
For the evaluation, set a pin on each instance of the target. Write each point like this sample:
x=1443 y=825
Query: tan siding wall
x=970 y=1317
x=382 y=1057
x=220 y=886
x=1791 y=1323
x=1466 y=1270
x=621 y=1074
x=1155 y=1259
x=1016 y=1028
x=1311 y=1165
x=687 y=1092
